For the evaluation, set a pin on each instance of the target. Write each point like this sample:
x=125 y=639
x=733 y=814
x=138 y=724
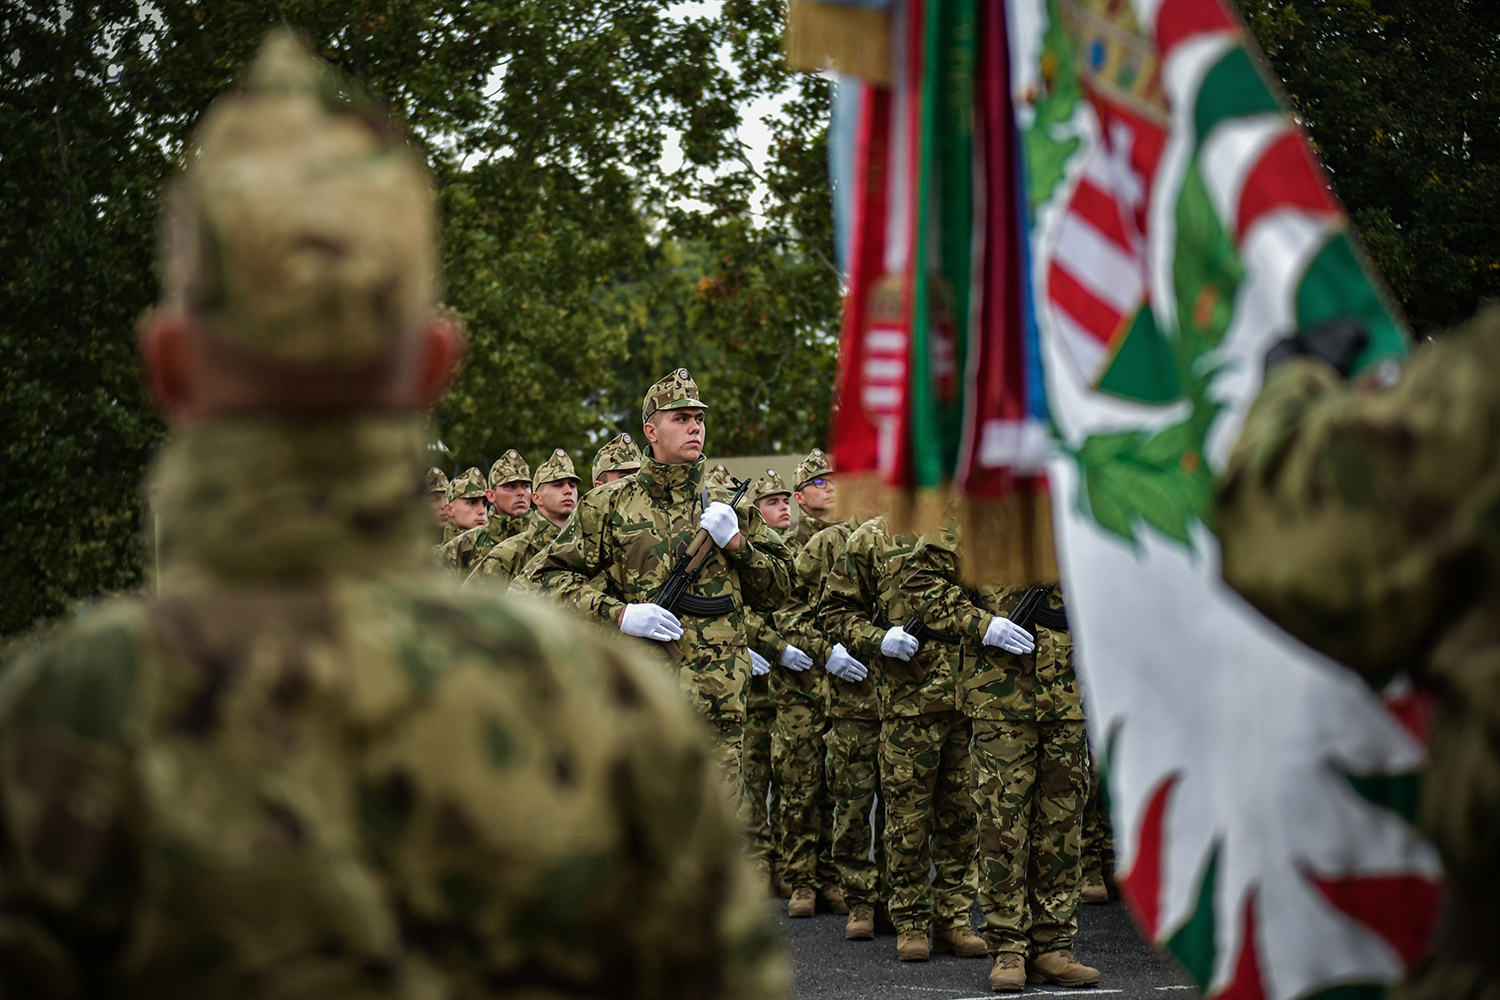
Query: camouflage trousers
x=728 y=735
x=802 y=817
x=1098 y=839
x=1030 y=783
x=929 y=820
x=758 y=798
x=857 y=851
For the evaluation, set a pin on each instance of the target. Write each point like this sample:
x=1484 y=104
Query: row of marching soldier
x=898 y=746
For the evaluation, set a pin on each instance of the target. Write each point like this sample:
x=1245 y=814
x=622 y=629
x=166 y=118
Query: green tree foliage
x=1402 y=100
x=585 y=255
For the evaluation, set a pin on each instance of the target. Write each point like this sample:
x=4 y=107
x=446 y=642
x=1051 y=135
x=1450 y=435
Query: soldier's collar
x=668 y=484
x=269 y=499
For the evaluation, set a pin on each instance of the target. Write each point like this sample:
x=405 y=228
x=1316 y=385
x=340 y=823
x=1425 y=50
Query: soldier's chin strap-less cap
x=769 y=485
x=814 y=465
x=559 y=465
x=510 y=468
x=468 y=486
x=672 y=392
x=619 y=454
x=303 y=227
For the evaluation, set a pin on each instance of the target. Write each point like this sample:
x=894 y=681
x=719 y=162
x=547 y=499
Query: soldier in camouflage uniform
x=309 y=767
x=761 y=800
x=1361 y=517
x=924 y=743
x=466 y=493
x=556 y=496
x=1030 y=768
x=510 y=496
x=437 y=495
x=798 y=747
x=815 y=495
x=623 y=540
x=617 y=459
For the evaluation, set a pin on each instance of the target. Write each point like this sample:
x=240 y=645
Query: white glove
x=650 y=621
x=794 y=659
x=845 y=667
x=1008 y=636
x=759 y=665
x=721 y=522
x=898 y=643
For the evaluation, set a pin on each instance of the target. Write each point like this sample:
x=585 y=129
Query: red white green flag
x=1179 y=225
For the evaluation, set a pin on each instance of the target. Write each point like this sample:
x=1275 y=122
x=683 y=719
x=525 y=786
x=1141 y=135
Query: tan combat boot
x=782 y=888
x=833 y=898
x=1093 y=890
x=912 y=946
x=861 y=923
x=1009 y=973
x=1060 y=968
x=803 y=902
x=960 y=941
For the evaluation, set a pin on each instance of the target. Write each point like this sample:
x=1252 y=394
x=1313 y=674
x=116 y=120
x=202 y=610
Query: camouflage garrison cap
x=436 y=481
x=768 y=486
x=558 y=466
x=718 y=478
x=303 y=225
x=465 y=486
x=671 y=392
x=814 y=465
x=618 y=455
x=510 y=468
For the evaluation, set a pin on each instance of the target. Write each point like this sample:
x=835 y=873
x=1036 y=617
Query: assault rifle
x=1031 y=611
x=917 y=630
x=674 y=595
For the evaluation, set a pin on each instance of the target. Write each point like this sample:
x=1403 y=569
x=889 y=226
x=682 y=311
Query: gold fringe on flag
x=852 y=40
x=1006 y=542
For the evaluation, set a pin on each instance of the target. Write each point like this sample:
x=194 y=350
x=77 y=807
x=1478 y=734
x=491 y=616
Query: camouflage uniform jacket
x=503 y=526
x=994 y=684
x=862 y=598
x=619 y=548
x=505 y=561
x=800 y=621
x=1363 y=521
x=313 y=767
x=450 y=532
x=807 y=526
x=463 y=551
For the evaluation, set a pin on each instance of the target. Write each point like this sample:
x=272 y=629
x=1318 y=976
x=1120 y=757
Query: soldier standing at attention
x=309 y=767
x=468 y=517
x=622 y=542
x=1030 y=768
x=804 y=824
x=815 y=496
x=510 y=497
x=924 y=745
x=1361 y=518
x=556 y=495
x=437 y=496
x=617 y=459
x=768 y=646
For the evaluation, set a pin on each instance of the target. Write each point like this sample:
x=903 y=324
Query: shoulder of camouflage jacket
x=181 y=721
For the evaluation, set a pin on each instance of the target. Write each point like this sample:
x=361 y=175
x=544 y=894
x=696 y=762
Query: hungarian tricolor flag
x=1071 y=230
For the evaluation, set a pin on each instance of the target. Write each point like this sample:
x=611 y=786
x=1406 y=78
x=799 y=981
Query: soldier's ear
x=164 y=344
x=440 y=346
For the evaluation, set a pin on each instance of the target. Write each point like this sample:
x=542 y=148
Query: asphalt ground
x=826 y=967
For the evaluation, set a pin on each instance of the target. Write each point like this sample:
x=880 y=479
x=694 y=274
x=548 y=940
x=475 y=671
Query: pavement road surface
x=826 y=967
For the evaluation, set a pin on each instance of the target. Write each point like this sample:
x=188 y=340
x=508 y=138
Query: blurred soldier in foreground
x=623 y=541
x=1030 y=767
x=617 y=459
x=510 y=495
x=310 y=768
x=1363 y=520
x=556 y=495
